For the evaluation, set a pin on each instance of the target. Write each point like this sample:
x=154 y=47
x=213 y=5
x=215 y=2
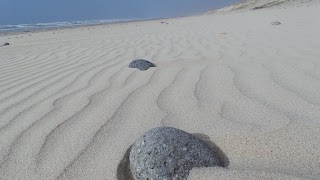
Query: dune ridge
x=70 y=107
x=263 y=4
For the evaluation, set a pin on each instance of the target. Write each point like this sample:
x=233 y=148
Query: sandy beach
x=70 y=107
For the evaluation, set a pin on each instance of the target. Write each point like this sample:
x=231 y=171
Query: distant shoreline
x=71 y=26
x=45 y=29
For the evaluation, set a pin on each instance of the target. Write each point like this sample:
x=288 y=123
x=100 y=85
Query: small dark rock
x=256 y=8
x=141 y=64
x=169 y=153
x=275 y=23
x=162 y=22
x=6 y=44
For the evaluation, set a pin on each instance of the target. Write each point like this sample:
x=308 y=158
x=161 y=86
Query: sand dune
x=70 y=107
x=245 y=5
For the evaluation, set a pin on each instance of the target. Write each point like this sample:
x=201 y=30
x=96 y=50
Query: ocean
x=37 y=26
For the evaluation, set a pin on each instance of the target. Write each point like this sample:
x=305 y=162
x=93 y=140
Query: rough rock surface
x=169 y=153
x=276 y=23
x=141 y=64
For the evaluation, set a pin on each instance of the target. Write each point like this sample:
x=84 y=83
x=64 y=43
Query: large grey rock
x=275 y=23
x=169 y=153
x=141 y=64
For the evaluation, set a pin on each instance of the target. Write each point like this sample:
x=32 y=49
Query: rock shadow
x=223 y=159
x=123 y=170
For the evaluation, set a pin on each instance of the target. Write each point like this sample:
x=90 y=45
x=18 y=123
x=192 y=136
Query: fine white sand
x=70 y=107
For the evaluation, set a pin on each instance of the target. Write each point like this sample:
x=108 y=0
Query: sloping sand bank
x=70 y=107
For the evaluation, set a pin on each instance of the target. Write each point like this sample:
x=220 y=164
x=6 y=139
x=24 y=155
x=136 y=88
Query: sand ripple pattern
x=70 y=107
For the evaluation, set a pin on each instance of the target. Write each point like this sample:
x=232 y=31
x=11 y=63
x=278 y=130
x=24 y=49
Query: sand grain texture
x=70 y=107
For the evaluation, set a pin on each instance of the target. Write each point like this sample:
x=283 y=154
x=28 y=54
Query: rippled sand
x=70 y=107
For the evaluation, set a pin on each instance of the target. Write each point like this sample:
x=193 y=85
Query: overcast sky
x=35 y=11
